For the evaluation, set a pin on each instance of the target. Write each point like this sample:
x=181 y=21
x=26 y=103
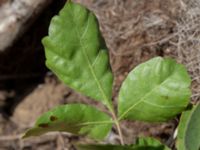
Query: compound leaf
x=78 y=119
x=76 y=52
x=188 y=137
x=154 y=91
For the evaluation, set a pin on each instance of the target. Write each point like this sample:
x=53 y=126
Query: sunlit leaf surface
x=78 y=119
x=76 y=52
x=156 y=90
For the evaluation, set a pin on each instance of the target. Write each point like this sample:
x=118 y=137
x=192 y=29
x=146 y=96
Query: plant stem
x=120 y=132
x=117 y=123
x=118 y=127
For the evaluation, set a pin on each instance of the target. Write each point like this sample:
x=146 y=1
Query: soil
x=28 y=88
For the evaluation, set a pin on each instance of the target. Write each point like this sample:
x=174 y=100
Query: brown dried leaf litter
x=140 y=29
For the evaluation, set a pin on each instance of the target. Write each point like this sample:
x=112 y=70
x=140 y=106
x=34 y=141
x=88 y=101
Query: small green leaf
x=188 y=137
x=118 y=147
x=148 y=141
x=104 y=147
x=181 y=129
x=76 y=52
x=154 y=91
x=74 y=118
x=141 y=144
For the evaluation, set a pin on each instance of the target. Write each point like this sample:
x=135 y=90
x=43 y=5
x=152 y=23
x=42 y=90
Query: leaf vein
x=105 y=98
x=142 y=99
x=94 y=123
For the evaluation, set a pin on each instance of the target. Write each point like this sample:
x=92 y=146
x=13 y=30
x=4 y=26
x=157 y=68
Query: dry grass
x=188 y=42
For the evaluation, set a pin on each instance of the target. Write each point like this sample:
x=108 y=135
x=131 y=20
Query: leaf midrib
x=94 y=123
x=105 y=98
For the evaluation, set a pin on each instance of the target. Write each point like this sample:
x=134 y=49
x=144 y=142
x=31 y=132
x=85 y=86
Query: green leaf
x=154 y=91
x=104 y=147
x=188 y=137
x=181 y=129
x=118 y=147
x=148 y=141
x=76 y=52
x=74 y=118
x=141 y=144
